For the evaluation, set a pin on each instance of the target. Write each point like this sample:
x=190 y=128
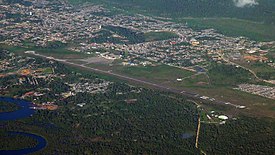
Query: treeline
x=243 y=136
x=153 y=124
x=123 y=120
x=22 y=2
x=11 y=141
x=263 y=12
x=222 y=74
x=127 y=36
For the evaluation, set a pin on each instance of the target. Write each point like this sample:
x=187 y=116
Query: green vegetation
x=8 y=107
x=105 y=36
x=194 y=81
x=258 y=106
x=77 y=2
x=255 y=22
x=56 y=44
x=132 y=36
x=15 y=142
x=155 y=123
x=221 y=74
x=244 y=136
x=156 y=36
x=271 y=55
x=195 y=8
x=263 y=71
x=219 y=85
x=48 y=70
x=59 y=52
x=118 y=35
x=233 y=27
x=158 y=73
x=107 y=123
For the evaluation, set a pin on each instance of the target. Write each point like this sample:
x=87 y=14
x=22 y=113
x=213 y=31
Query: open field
x=159 y=73
x=199 y=83
x=94 y=60
x=229 y=75
x=262 y=70
x=256 y=105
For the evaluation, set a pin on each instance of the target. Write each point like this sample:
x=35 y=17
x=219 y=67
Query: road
x=184 y=92
x=198 y=133
x=245 y=68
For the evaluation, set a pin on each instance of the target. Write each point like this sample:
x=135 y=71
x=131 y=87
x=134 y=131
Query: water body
x=23 y=112
x=199 y=69
x=41 y=144
x=186 y=135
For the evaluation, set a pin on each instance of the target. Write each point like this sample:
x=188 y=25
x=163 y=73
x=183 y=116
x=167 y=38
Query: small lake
x=186 y=135
x=199 y=69
x=24 y=111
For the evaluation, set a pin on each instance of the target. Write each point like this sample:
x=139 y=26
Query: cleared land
x=200 y=83
x=256 y=105
x=167 y=76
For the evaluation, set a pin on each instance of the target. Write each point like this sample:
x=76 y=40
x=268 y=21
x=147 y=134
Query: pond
x=186 y=135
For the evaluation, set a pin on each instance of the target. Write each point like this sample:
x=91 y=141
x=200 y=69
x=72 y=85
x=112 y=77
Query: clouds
x=243 y=3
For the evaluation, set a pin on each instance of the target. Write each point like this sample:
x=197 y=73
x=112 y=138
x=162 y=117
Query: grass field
x=167 y=76
x=159 y=73
x=47 y=70
x=228 y=75
x=234 y=27
x=262 y=70
x=257 y=105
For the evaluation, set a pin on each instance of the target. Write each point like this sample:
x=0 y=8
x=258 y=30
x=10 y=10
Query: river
x=24 y=111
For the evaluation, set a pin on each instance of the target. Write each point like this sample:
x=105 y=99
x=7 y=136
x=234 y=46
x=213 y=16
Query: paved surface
x=184 y=92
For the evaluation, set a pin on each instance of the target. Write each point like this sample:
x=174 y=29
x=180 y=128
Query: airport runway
x=184 y=92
